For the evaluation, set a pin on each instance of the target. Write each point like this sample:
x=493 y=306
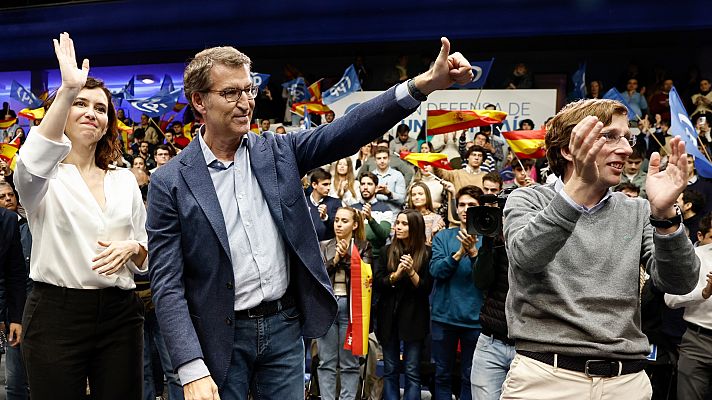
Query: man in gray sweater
x=575 y=250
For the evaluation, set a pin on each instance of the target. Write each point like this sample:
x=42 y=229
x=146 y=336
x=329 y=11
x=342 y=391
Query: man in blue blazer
x=235 y=269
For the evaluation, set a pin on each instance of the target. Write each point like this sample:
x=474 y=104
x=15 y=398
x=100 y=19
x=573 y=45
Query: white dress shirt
x=66 y=221
x=698 y=310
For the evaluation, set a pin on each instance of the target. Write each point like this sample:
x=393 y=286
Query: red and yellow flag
x=255 y=128
x=37 y=113
x=444 y=121
x=360 y=316
x=527 y=144
x=186 y=130
x=125 y=131
x=6 y=123
x=420 y=160
x=315 y=107
x=8 y=152
x=315 y=91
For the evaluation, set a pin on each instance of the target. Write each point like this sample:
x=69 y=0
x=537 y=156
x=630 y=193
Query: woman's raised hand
x=72 y=77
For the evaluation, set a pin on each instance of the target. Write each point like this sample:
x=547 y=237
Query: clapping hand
x=664 y=187
x=342 y=247
x=366 y=212
x=584 y=145
x=322 y=211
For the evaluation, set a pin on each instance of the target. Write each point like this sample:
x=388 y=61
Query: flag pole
x=662 y=148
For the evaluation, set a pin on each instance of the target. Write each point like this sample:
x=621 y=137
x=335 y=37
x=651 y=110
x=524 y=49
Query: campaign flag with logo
x=614 y=94
x=158 y=104
x=481 y=70
x=579 y=81
x=348 y=84
x=24 y=96
x=125 y=93
x=259 y=80
x=527 y=144
x=444 y=121
x=167 y=85
x=360 y=305
x=420 y=160
x=297 y=90
x=680 y=125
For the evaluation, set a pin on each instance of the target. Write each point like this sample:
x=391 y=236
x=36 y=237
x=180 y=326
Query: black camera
x=486 y=219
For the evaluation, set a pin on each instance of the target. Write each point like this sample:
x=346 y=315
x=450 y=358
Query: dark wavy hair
x=108 y=148
x=413 y=245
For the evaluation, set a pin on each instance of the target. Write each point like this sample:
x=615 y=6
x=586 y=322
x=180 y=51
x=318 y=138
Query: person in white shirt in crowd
x=83 y=321
x=419 y=199
x=391 y=184
x=344 y=185
x=694 y=367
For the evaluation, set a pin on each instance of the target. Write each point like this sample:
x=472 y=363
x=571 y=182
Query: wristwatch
x=667 y=223
x=417 y=94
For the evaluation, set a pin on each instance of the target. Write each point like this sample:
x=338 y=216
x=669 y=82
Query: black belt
x=267 y=308
x=700 y=330
x=591 y=367
x=502 y=338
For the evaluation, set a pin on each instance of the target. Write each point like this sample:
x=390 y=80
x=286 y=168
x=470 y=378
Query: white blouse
x=66 y=221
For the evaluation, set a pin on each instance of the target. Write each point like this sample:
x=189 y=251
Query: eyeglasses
x=233 y=95
x=613 y=137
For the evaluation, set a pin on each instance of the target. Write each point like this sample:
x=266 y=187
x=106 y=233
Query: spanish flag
x=37 y=113
x=420 y=160
x=444 y=121
x=527 y=144
x=255 y=128
x=186 y=130
x=6 y=123
x=315 y=90
x=8 y=152
x=360 y=316
x=125 y=132
x=315 y=107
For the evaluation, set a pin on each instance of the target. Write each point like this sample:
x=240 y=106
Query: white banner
x=535 y=104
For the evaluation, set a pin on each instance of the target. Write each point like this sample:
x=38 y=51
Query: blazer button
x=229 y=285
x=228 y=321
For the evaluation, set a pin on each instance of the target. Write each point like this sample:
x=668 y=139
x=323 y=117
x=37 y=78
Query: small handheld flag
x=420 y=160
x=360 y=303
x=444 y=121
x=527 y=144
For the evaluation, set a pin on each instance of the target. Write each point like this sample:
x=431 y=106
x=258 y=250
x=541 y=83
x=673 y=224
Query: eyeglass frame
x=223 y=93
x=632 y=139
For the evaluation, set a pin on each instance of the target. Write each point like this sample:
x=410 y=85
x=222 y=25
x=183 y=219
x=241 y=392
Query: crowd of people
x=210 y=256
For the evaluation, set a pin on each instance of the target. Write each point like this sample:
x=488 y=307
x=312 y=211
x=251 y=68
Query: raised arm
x=46 y=147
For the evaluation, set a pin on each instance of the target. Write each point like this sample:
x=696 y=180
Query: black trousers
x=71 y=335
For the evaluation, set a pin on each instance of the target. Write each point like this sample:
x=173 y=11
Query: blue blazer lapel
x=197 y=177
x=264 y=167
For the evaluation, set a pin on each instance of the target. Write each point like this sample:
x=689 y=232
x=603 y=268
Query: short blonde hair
x=558 y=130
x=196 y=77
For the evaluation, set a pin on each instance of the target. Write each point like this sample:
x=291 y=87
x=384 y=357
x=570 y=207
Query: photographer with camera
x=495 y=351
x=575 y=250
x=455 y=302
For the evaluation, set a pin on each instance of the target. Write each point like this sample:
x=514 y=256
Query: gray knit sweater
x=574 y=277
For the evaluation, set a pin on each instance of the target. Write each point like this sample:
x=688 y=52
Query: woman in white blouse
x=82 y=320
